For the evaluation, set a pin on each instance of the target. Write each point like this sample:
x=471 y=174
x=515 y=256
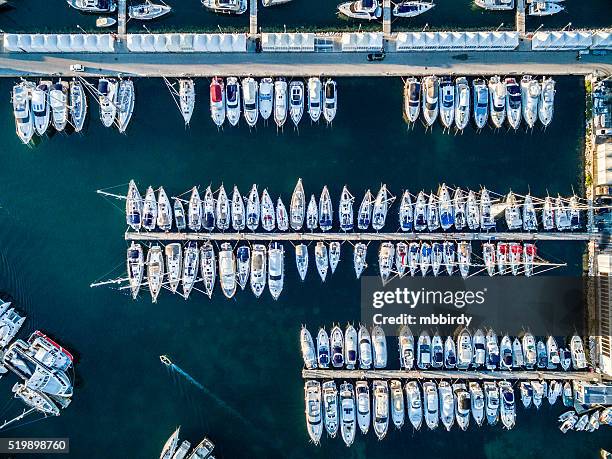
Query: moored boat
x=412 y=99
x=232 y=100
x=276 y=269
x=330 y=100
x=314 y=98
x=296 y=101
x=186 y=95
x=280 y=102
x=78 y=105
x=155 y=271
x=301 y=260
x=430 y=99
x=125 y=104
x=217 y=101
x=481 y=102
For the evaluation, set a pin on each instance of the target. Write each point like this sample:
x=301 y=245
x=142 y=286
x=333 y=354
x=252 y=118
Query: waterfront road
x=303 y=64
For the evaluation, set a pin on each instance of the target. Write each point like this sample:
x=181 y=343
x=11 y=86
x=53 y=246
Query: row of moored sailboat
x=466 y=210
x=36 y=107
x=271 y=98
x=498 y=100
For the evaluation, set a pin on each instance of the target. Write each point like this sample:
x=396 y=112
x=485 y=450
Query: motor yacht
x=314 y=98
x=361 y=9
x=505 y=353
x=380 y=408
x=350 y=347
x=232 y=7
x=477 y=402
x=58 y=100
x=379 y=347
x=491 y=394
x=314 y=419
x=411 y=8
x=450 y=353
x=462 y=103
x=217 y=101
x=232 y=100
x=94 y=6
x=280 y=102
x=547 y=101
x=243 y=265
x=40 y=107
x=424 y=351
x=462 y=405
x=447 y=101
x=266 y=97
x=507 y=407
x=413 y=404
x=530 y=99
x=365 y=348
x=296 y=101
x=258 y=269
x=412 y=99
x=406 y=348
x=437 y=351
x=495 y=5
x=513 y=103
x=492 y=350
x=148 y=11
x=330 y=408
x=480 y=350
x=447 y=411
x=362 y=393
x=430 y=99
x=330 y=102
x=481 y=102
x=430 y=396
x=347 y=413
x=276 y=269
x=250 y=101
x=544 y=8
x=577 y=351
x=497 y=95
x=529 y=350
x=337 y=347
x=322 y=349
x=227 y=270
x=308 y=350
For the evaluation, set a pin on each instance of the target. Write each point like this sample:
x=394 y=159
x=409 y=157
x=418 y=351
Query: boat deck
x=454 y=375
x=318 y=236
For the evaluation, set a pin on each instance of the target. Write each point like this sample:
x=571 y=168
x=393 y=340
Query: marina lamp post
x=81 y=29
x=499 y=27
x=146 y=28
x=425 y=27
x=541 y=25
x=569 y=25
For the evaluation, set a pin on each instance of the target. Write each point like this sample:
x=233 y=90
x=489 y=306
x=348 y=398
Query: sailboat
x=364 y=216
x=253 y=209
x=155 y=271
x=345 y=210
x=174 y=257
x=326 y=212
x=359 y=258
x=297 y=208
x=78 y=105
x=125 y=104
x=411 y=8
x=301 y=260
x=149 y=210
x=380 y=208
x=164 y=211
x=321 y=259
x=186 y=98
x=238 y=211
x=406 y=212
x=282 y=219
x=208 y=268
x=227 y=270
x=191 y=261
x=194 y=212
x=268 y=217
x=223 y=210
x=135 y=267
x=133 y=207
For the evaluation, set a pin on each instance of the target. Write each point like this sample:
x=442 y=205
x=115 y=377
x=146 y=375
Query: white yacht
x=462 y=405
x=350 y=347
x=424 y=351
x=487 y=220
x=365 y=348
x=58 y=100
x=276 y=269
x=379 y=347
x=530 y=217
x=447 y=406
x=41 y=107
x=323 y=348
x=314 y=98
x=497 y=95
x=481 y=102
x=362 y=393
x=250 y=101
x=430 y=396
x=273 y=2
x=125 y=104
x=174 y=257
x=488 y=257
x=233 y=7
x=24 y=118
x=282 y=219
x=334 y=255
x=258 y=269
x=243 y=265
x=530 y=99
x=345 y=210
x=148 y=10
x=330 y=408
x=513 y=103
x=480 y=350
x=268 y=216
x=296 y=101
x=577 y=351
x=364 y=215
x=544 y=8
x=359 y=258
x=78 y=105
x=208 y=268
x=406 y=212
x=186 y=98
x=414 y=405
x=312 y=214
x=301 y=260
x=237 y=211
x=309 y=355
x=380 y=207
x=39 y=401
x=430 y=99
x=406 y=348
x=380 y=408
x=297 y=208
x=314 y=419
x=361 y=9
x=411 y=8
x=164 y=211
x=512 y=213
x=447 y=101
x=496 y=5
x=412 y=99
x=326 y=212
x=135 y=267
x=280 y=102
x=208 y=210
x=330 y=102
x=155 y=271
x=462 y=103
x=227 y=270
x=529 y=350
x=232 y=100
x=194 y=211
x=450 y=353
x=465 y=351
x=94 y=6
x=217 y=101
x=386 y=256
x=149 y=210
x=107 y=96
x=347 y=413
x=507 y=406
x=321 y=259
x=547 y=101
x=223 y=210
x=401 y=258
x=266 y=97
x=191 y=262
x=491 y=394
x=253 y=209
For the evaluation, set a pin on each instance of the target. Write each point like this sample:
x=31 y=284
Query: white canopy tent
x=59 y=43
x=602 y=40
x=565 y=40
x=456 y=41
x=186 y=42
x=362 y=41
x=287 y=42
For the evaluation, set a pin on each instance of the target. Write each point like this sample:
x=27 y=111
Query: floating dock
x=522 y=375
x=363 y=237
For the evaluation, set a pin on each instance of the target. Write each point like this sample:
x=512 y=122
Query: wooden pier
x=357 y=237
x=520 y=18
x=122 y=19
x=253 y=17
x=387 y=17
x=522 y=375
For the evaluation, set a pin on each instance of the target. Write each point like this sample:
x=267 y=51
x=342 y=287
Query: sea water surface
x=57 y=236
x=190 y=15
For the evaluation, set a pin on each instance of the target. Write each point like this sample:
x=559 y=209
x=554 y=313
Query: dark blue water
x=41 y=15
x=57 y=236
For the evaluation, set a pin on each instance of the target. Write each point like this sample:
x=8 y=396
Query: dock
x=122 y=19
x=253 y=17
x=386 y=17
x=520 y=18
x=293 y=65
x=356 y=237
x=521 y=375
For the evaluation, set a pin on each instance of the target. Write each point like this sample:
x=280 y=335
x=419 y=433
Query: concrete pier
x=253 y=17
x=520 y=18
x=476 y=63
x=483 y=375
x=355 y=237
x=387 y=17
x=122 y=19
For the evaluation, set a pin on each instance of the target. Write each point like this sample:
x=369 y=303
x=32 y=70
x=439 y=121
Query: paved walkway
x=302 y=64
